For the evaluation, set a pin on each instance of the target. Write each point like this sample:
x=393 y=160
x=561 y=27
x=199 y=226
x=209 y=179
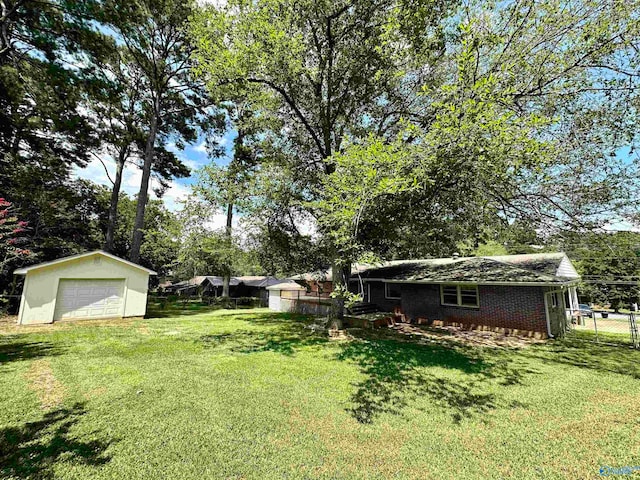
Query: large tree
x=155 y=38
x=334 y=68
x=514 y=110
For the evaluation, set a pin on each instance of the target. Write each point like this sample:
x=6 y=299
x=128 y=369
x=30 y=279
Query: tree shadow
x=32 y=450
x=589 y=355
x=284 y=340
x=398 y=372
x=178 y=310
x=11 y=350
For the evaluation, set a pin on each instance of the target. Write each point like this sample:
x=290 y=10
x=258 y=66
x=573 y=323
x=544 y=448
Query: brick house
x=511 y=293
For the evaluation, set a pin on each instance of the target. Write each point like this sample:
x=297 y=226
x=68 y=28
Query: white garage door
x=274 y=300
x=89 y=299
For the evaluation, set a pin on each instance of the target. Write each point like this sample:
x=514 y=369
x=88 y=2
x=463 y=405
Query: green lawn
x=252 y=394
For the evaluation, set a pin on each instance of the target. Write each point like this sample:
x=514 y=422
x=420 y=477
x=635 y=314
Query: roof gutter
x=469 y=282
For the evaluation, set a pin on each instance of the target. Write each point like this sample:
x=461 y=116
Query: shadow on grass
x=398 y=372
x=593 y=356
x=281 y=337
x=12 y=350
x=32 y=450
x=155 y=310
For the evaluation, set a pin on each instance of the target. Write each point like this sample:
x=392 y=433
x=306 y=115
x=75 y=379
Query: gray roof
x=286 y=285
x=546 y=268
x=216 y=281
x=258 y=281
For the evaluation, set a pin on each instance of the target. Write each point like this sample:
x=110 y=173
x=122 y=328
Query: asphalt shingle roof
x=533 y=268
x=527 y=268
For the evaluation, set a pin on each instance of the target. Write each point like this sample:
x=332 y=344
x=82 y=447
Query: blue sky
x=193 y=156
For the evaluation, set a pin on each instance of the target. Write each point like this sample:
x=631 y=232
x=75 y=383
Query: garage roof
x=24 y=270
x=286 y=285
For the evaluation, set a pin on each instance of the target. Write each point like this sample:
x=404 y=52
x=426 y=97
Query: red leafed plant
x=12 y=238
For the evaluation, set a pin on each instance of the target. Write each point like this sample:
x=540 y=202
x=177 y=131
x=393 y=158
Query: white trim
x=386 y=292
x=23 y=300
x=459 y=295
x=125 y=293
x=546 y=312
x=511 y=284
x=25 y=270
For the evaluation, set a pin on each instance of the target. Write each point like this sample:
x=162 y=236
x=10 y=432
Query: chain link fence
x=605 y=327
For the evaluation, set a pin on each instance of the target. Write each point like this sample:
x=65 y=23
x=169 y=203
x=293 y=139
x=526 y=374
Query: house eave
x=468 y=282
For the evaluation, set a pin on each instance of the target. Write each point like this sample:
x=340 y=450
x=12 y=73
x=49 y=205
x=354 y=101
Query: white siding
x=274 y=300
x=566 y=269
x=39 y=295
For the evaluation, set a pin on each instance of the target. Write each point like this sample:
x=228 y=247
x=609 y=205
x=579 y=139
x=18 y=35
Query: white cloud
x=131 y=179
x=201 y=147
x=621 y=225
x=174 y=194
x=192 y=164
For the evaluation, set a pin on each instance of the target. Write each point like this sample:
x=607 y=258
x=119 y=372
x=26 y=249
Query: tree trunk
x=226 y=279
x=340 y=279
x=143 y=195
x=115 y=197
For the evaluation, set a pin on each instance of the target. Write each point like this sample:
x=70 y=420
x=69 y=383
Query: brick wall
x=325 y=288
x=518 y=308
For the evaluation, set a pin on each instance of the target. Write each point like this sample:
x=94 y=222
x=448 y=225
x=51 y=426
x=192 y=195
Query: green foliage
x=459 y=167
x=161 y=243
x=495 y=113
x=611 y=264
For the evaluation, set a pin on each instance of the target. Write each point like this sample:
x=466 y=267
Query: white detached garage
x=282 y=294
x=86 y=286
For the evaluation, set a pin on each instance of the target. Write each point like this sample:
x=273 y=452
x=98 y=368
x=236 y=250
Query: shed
x=85 y=286
x=276 y=293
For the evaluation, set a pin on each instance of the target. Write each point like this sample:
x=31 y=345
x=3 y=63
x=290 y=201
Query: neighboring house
x=319 y=283
x=202 y=285
x=255 y=286
x=209 y=285
x=90 y=285
x=527 y=293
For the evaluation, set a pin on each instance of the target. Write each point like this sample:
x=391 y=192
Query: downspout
x=546 y=308
x=546 y=314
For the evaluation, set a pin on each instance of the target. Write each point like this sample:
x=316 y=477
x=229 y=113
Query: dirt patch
x=95 y=393
x=11 y=328
x=41 y=380
x=7 y=321
x=476 y=338
x=144 y=330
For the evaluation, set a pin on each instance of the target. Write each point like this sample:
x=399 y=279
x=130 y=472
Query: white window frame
x=459 y=287
x=386 y=291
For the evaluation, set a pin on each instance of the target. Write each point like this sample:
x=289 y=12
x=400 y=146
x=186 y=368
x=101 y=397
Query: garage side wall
x=41 y=286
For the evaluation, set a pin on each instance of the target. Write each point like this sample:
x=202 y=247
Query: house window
x=392 y=290
x=459 y=295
